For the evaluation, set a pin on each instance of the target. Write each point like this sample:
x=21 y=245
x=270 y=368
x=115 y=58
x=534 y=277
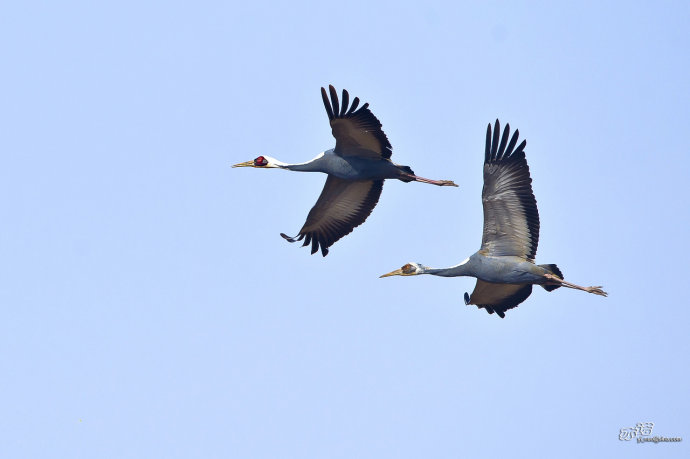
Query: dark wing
x=356 y=132
x=343 y=205
x=511 y=218
x=498 y=298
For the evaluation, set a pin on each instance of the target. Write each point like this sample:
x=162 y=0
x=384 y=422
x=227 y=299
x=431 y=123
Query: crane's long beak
x=245 y=164
x=397 y=272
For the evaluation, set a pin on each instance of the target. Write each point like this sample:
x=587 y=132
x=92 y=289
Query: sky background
x=149 y=307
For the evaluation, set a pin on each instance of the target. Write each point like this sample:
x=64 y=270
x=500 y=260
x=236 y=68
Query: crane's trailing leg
x=417 y=178
x=596 y=290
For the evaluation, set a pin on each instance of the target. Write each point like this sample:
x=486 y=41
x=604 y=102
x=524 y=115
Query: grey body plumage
x=498 y=270
x=504 y=265
x=353 y=167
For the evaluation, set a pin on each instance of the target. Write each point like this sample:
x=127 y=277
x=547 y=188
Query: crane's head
x=410 y=269
x=261 y=162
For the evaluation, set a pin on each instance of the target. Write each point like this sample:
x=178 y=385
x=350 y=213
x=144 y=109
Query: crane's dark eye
x=408 y=269
x=260 y=161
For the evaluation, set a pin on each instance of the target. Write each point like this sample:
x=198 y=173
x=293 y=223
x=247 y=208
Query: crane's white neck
x=453 y=271
x=308 y=166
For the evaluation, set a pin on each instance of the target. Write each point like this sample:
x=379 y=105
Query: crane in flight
x=504 y=265
x=356 y=169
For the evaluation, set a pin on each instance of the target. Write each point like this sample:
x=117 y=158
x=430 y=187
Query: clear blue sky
x=151 y=309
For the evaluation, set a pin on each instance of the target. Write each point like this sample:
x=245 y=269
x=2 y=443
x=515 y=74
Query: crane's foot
x=596 y=291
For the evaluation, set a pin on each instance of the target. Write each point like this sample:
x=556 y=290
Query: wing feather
x=346 y=101
x=327 y=104
x=356 y=132
x=334 y=100
x=511 y=217
x=498 y=298
x=342 y=206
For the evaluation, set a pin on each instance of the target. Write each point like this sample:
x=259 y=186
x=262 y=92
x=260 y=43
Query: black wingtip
x=487 y=148
x=504 y=141
x=334 y=99
x=291 y=239
x=353 y=107
x=512 y=143
x=494 y=150
x=467 y=297
x=346 y=101
x=327 y=103
x=494 y=141
x=521 y=147
x=310 y=239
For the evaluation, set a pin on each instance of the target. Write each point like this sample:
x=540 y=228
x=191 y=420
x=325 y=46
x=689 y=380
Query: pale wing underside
x=342 y=206
x=498 y=298
x=356 y=132
x=511 y=218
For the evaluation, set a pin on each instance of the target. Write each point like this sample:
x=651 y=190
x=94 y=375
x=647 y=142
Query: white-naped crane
x=504 y=265
x=356 y=169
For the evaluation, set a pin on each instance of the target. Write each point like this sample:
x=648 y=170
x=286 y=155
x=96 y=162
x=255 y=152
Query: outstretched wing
x=342 y=206
x=511 y=218
x=356 y=132
x=498 y=298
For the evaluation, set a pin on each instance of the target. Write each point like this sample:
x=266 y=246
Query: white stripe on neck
x=461 y=263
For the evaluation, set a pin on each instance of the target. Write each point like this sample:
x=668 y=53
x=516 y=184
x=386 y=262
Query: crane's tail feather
x=406 y=170
x=553 y=269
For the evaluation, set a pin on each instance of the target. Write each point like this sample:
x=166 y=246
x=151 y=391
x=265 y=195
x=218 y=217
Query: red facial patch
x=260 y=161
